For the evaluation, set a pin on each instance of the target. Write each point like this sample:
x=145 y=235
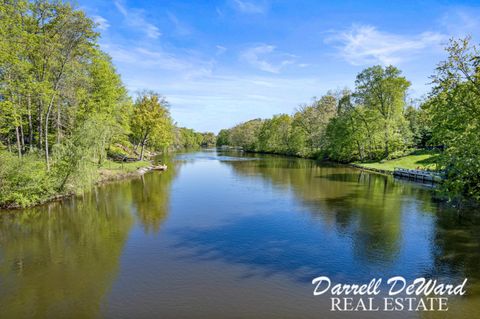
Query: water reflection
x=152 y=195
x=365 y=224
x=59 y=260
x=230 y=235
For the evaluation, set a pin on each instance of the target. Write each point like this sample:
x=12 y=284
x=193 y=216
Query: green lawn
x=418 y=159
x=124 y=167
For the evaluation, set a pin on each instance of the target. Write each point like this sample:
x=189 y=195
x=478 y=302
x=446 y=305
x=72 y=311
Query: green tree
x=309 y=124
x=245 y=135
x=223 y=137
x=151 y=122
x=383 y=90
x=454 y=107
x=274 y=135
x=208 y=139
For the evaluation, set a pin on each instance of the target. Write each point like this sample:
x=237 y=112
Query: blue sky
x=223 y=62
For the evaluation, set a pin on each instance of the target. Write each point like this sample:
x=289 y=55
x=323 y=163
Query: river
x=226 y=235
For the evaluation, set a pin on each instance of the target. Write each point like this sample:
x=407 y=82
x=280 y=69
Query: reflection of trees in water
x=151 y=196
x=60 y=260
x=369 y=208
x=457 y=245
x=366 y=207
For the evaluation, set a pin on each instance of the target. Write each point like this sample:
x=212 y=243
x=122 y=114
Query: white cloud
x=231 y=98
x=220 y=49
x=135 y=18
x=102 y=23
x=256 y=56
x=180 y=28
x=248 y=7
x=363 y=44
x=159 y=60
x=460 y=21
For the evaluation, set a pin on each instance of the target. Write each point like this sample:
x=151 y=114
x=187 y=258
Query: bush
x=23 y=182
x=115 y=151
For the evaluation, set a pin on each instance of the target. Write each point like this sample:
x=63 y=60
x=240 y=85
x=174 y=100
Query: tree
x=309 y=124
x=151 y=122
x=454 y=108
x=223 y=137
x=245 y=135
x=419 y=125
x=383 y=90
x=274 y=135
x=208 y=139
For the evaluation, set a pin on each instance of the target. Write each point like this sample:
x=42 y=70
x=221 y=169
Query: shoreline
x=352 y=164
x=105 y=176
x=369 y=169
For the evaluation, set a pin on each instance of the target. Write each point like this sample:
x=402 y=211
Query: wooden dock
x=424 y=176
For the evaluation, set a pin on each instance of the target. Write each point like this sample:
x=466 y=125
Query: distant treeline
x=377 y=121
x=64 y=108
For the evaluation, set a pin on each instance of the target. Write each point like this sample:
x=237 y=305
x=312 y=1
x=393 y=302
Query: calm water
x=227 y=236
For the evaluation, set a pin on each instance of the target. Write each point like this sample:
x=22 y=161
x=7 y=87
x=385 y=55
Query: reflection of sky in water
x=250 y=218
x=269 y=234
x=222 y=235
x=212 y=154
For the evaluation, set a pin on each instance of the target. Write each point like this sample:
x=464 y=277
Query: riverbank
x=420 y=159
x=108 y=172
x=111 y=171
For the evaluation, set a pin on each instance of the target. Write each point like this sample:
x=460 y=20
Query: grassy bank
x=26 y=182
x=114 y=170
x=425 y=160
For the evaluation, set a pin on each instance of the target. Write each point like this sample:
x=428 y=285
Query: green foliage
x=223 y=137
x=419 y=124
x=151 y=123
x=208 y=139
x=186 y=138
x=366 y=125
x=62 y=103
x=383 y=91
x=309 y=125
x=274 y=135
x=454 y=108
x=246 y=134
x=23 y=181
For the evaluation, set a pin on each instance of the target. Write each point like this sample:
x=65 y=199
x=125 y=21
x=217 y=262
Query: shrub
x=23 y=182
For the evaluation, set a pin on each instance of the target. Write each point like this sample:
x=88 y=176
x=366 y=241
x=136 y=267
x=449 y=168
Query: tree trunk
x=40 y=128
x=142 y=152
x=47 y=157
x=360 y=153
x=387 y=137
x=30 y=126
x=19 y=147
x=58 y=124
x=22 y=137
x=144 y=141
